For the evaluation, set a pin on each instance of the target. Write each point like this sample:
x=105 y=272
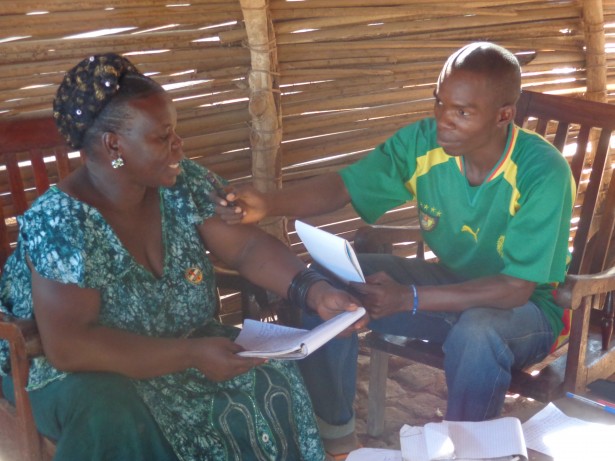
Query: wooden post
x=595 y=54
x=265 y=107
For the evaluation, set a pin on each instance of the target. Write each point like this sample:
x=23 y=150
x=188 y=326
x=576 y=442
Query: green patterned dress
x=264 y=414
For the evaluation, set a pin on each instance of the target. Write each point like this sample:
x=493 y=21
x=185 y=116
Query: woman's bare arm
x=73 y=340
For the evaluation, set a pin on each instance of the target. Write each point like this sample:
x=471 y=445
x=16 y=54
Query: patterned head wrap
x=85 y=91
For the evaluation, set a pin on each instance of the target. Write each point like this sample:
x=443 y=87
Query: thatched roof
x=279 y=90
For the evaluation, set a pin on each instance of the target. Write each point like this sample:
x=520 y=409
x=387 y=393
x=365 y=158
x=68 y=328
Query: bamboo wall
x=307 y=86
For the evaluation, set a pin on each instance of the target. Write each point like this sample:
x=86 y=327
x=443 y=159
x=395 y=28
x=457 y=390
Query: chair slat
x=15 y=182
x=578 y=160
x=62 y=163
x=580 y=264
x=560 y=136
x=41 y=179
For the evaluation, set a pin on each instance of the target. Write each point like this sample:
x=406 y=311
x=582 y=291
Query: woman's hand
x=382 y=296
x=217 y=359
x=328 y=302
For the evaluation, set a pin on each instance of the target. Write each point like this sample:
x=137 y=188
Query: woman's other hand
x=217 y=358
x=328 y=302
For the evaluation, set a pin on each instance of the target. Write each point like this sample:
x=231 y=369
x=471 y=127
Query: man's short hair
x=495 y=62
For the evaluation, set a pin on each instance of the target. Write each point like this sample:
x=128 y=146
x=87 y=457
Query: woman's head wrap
x=85 y=91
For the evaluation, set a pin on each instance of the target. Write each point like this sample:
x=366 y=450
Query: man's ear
x=506 y=114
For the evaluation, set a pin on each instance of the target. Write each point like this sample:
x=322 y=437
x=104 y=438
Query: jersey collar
x=499 y=167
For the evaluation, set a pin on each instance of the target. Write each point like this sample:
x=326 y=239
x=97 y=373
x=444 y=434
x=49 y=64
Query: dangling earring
x=117 y=163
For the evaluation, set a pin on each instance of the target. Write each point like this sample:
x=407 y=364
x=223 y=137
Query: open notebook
x=269 y=340
x=497 y=439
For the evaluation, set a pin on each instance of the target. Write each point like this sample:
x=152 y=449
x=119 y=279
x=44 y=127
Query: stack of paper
x=498 y=439
x=565 y=438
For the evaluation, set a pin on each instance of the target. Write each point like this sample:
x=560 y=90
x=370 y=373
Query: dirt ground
x=416 y=394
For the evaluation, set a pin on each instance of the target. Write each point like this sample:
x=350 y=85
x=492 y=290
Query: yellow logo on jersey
x=427 y=222
x=500 y=246
x=428 y=217
x=469 y=230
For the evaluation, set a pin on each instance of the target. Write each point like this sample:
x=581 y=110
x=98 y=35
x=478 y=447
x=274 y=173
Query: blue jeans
x=481 y=346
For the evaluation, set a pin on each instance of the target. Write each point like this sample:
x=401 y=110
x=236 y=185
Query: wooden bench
x=564 y=121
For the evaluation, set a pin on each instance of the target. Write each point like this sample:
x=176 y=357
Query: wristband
x=300 y=285
x=415 y=299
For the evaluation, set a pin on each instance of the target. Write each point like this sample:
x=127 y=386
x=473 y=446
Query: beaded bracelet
x=415 y=300
x=300 y=285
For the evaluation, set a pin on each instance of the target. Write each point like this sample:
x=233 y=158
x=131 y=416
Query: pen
x=591 y=402
x=218 y=187
x=606 y=403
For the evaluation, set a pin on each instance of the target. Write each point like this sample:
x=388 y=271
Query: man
x=495 y=204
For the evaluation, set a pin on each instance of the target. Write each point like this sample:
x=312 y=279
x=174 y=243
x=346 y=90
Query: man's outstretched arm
x=318 y=195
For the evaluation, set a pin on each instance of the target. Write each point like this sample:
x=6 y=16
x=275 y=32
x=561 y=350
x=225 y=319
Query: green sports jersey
x=516 y=223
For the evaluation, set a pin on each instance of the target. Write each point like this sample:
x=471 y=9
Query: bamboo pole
x=265 y=107
x=593 y=26
x=25 y=6
x=72 y=24
x=425 y=4
x=43 y=51
x=396 y=28
x=425 y=12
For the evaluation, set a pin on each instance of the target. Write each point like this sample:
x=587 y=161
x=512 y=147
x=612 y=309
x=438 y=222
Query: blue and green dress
x=266 y=411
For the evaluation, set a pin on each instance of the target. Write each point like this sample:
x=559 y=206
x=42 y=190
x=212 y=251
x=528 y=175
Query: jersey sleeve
x=536 y=243
x=380 y=181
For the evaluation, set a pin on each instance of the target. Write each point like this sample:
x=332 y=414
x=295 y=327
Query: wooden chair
x=32 y=157
x=563 y=121
x=26 y=175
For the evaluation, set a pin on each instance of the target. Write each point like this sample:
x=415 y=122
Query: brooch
x=194 y=275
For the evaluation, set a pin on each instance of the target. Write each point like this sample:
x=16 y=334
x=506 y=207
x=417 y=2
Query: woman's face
x=149 y=145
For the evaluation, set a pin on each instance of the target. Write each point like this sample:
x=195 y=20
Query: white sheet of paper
x=488 y=439
x=498 y=439
x=330 y=251
x=270 y=340
x=412 y=441
x=565 y=438
x=374 y=454
x=268 y=337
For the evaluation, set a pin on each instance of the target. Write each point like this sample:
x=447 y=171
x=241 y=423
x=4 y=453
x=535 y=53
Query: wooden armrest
x=22 y=336
x=576 y=287
x=380 y=239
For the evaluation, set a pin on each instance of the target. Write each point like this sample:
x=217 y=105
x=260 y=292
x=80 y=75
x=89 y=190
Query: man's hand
x=241 y=204
x=217 y=359
x=382 y=296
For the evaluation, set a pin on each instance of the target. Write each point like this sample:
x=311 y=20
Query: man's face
x=467 y=114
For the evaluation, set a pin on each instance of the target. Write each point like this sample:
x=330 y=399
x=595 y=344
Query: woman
x=113 y=264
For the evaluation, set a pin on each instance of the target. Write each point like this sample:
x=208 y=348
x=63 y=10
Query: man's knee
x=474 y=333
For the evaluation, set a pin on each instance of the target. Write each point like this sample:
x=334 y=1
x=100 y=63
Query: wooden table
x=572 y=408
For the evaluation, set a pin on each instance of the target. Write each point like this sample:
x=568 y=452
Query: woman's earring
x=117 y=163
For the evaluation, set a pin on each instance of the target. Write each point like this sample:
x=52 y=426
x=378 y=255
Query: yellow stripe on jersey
x=424 y=163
